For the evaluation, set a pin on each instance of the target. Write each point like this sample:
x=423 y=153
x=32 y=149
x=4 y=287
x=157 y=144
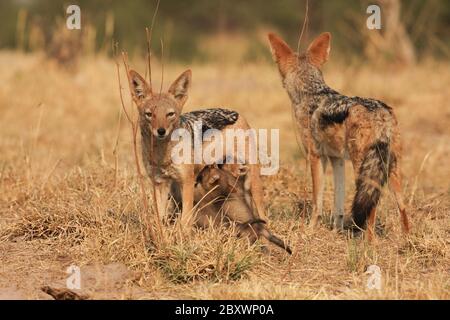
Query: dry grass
x=65 y=198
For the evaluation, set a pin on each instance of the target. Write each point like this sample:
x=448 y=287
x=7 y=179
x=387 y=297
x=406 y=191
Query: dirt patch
x=27 y=267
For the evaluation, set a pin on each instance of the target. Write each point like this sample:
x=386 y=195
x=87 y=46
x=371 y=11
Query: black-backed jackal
x=333 y=126
x=159 y=115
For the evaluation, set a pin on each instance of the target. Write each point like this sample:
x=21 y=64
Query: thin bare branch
x=134 y=127
x=149 y=41
x=149 y=59
x=162 y=66
x=305 y=21
x=121 y=95
x=146 y=207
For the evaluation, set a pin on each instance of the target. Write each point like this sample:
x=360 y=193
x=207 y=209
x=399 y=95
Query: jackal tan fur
x=159 y=115
x=221 y=196
x=333 y=127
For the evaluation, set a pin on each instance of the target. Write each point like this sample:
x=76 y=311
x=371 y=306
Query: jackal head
x=300 y=73
x=159 y=114
x=223 y=179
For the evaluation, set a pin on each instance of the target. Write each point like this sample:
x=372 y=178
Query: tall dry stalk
x=149 y=34
x=162 y=67
x=149 y=42
x=304 y=26
x=157 y=238
x=149 y=233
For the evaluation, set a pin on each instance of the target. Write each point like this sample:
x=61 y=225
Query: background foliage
x=190 y=28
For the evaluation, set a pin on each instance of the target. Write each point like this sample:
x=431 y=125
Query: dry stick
x=121 y=96
x=149 y=57
x=416 y=180
x=160 y=91
x=119 y=122
x=308 y=147
x=115 y=150
x=308 y=164
x=144 y=235
x=34 y=142
x=158 y=217
x=132 y=128
x=149 y=230
x=162 y=66
x=197 y=205
x=303 y=27
x=305 y=181
x=300 y=145
x=149 y=41
x=149 y=35
x=156 y=209
x=38 y=126
x=141 y=181
x=307 y=151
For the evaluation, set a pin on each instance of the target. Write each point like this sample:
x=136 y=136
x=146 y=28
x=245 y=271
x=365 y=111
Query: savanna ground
x=66 y=198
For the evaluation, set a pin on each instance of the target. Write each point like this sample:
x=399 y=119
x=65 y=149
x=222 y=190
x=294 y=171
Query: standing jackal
x=160 y=114
x=333 y=126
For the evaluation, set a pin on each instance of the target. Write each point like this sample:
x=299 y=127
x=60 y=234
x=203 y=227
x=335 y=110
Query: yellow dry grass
x=65 y=198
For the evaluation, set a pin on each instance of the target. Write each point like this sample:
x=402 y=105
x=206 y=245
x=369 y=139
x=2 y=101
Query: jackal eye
x=148 y=114
x=170 y=114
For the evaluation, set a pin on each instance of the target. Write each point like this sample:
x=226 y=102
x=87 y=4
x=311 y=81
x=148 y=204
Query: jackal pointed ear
x=138 y=86
x=281 y=53
x=179 y=88
x=319 y=50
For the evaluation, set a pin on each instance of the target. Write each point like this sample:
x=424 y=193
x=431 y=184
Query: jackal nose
x=161 y=131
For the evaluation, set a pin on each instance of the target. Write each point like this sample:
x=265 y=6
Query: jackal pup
x=221 y=195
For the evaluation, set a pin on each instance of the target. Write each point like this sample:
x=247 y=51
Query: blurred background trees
x=202 y=30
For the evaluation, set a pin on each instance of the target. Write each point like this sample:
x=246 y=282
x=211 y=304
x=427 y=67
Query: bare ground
x=67 y=199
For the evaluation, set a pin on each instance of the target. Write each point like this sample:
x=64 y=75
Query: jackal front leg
x=162 y=189
x=187 y=196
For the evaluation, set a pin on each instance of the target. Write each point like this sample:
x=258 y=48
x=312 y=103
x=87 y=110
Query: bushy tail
x=373 y=175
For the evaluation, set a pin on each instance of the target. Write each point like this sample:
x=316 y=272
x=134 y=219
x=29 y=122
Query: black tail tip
x=280 y=243
x=288 y=250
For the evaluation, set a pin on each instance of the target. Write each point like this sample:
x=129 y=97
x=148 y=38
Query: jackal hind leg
x=318 y=167
x=338 y=165
x=257 y=191
x=370 y=233
x=395 y=184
